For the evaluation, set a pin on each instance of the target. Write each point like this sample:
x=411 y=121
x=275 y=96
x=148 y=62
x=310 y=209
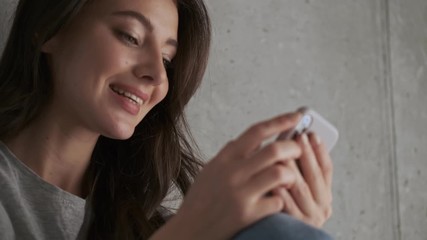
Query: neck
x=56 y=150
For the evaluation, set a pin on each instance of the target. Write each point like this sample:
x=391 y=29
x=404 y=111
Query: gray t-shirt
x=31 y=208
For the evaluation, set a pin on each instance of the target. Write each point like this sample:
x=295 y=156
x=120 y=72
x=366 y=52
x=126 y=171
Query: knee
x=281 y=226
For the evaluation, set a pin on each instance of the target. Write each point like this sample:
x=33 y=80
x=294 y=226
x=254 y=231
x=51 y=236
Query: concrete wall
x=362 y=64
x=408 y=73
x=6 y=11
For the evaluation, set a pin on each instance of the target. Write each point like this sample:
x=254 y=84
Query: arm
x=231 y=192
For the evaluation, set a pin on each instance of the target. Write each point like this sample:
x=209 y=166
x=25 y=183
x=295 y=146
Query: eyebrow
x=145 y=22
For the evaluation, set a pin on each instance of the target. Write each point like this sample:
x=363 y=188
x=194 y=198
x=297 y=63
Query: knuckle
x=278 y=172
x=259 y=129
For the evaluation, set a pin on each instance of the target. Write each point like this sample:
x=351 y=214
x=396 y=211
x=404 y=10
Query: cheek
x=94 y=58
x=105 y=58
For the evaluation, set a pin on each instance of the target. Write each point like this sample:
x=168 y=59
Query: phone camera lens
x=307 y=121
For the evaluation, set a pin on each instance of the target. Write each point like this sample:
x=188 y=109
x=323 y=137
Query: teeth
x=129 y=95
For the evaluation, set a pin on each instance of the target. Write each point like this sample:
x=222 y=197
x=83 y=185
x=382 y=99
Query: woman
x=93 y=133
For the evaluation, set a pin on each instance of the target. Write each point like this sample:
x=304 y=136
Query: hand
x=230 y=193
x=310 y=199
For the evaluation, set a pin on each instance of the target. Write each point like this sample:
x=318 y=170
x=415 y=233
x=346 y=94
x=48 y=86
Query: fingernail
x=301 y=109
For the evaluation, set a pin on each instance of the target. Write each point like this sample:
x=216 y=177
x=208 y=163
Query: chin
x=119 y=132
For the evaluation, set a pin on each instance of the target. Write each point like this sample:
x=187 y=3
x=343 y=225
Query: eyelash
x=167 y=64
x=133 y=41
x=129 y=38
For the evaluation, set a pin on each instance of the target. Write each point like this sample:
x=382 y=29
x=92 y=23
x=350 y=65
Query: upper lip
x=133 y=90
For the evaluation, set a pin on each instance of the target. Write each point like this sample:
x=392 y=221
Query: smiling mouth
x=132 y=97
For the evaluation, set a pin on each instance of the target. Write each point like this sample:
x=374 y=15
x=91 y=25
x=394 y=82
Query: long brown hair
x=128 y=178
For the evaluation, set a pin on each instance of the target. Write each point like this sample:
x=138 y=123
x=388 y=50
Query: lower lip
x=126 y=104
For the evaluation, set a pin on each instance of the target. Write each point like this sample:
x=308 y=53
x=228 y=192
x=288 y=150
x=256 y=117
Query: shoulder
x=6 y=186
x=7 y=168
x=11 y=176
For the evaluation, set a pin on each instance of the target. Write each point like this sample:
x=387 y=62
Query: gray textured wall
x=361 y=63
x=6 y=11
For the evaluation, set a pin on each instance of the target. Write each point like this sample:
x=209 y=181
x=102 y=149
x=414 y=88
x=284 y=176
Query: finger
x=301 y=193
x=289 y=205
x=313 y=213
x=278 y=151
x=253 y=137
x=269 y=179
x=267 y=206
x=310 y=170
x=323 y=158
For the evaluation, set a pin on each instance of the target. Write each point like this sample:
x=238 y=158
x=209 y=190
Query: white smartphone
x=313 y=122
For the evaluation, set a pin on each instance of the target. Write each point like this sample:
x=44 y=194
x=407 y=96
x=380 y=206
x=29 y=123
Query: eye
x=167 y=64
x=169 y=67
x=128 y=38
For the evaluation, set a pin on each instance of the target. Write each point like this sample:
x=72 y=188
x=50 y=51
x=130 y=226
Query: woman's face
x=108 y=64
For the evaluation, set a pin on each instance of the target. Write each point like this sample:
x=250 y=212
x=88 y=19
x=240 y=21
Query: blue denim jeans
x=281 y=227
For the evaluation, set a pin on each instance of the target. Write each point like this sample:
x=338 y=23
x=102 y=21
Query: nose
x=150 y=65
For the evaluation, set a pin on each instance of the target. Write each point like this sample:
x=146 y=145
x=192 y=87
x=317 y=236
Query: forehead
x=137 y=5
x=161 y=13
